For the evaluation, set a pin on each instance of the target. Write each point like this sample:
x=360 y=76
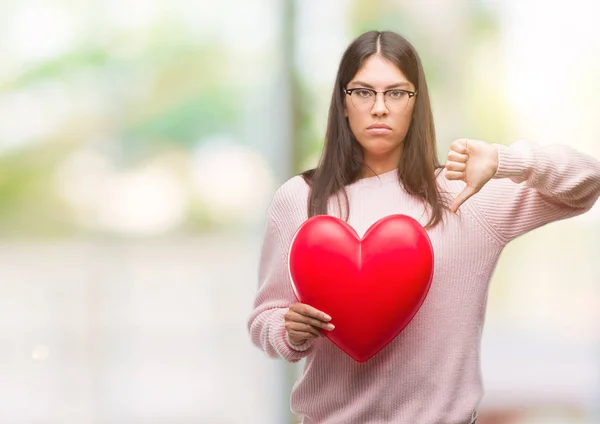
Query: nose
x=379 y=106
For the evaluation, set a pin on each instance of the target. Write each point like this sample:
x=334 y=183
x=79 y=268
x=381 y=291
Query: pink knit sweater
x=429 y=374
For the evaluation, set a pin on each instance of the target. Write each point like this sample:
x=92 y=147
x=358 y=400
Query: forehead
x=380 y=72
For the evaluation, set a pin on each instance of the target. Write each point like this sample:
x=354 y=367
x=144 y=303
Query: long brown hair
x=342 y=161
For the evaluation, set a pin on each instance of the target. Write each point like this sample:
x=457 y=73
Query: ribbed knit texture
x=429 y=374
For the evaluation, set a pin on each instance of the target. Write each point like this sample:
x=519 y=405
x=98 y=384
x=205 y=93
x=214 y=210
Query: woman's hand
x=303 y=322
x=472 y=161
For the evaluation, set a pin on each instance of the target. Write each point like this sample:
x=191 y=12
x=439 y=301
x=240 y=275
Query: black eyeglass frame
x=349 y=91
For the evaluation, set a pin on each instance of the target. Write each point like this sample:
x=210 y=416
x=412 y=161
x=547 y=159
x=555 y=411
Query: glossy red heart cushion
x=371 y=287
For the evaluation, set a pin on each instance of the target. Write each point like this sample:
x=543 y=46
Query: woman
x=380 y=159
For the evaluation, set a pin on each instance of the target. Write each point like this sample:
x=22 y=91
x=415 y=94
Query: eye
x=363 y=93
x=397 y=94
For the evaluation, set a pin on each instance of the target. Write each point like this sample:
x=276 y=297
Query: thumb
x=462 y=197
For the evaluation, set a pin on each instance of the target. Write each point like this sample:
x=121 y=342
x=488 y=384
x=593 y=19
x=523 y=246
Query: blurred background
x=141 y=142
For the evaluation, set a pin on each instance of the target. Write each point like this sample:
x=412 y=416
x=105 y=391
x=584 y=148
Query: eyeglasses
x=364 y=98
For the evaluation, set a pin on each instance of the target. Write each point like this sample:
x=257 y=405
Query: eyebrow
x=396 y=85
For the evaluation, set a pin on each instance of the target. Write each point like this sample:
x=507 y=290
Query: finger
x=456 y=166
x=461 y=198
x=454 y=175
x=457 y=157
x=309 y=311
x=300 y=337
x=296 y=317
x=460 y=146
x=303 y=328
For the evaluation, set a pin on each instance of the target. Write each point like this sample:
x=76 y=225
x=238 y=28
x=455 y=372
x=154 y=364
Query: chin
x=380 y=149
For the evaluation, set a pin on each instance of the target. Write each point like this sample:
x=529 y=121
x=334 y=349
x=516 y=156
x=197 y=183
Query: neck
x=377 y=165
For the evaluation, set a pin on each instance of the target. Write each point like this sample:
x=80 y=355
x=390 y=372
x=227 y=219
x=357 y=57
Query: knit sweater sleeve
x=534 y=186
x=275 y=293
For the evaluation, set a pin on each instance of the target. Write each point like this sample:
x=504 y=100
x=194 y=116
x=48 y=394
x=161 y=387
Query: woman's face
x=379 y=125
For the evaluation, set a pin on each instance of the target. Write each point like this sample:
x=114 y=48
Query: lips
x=379 y=130
x=379 y=126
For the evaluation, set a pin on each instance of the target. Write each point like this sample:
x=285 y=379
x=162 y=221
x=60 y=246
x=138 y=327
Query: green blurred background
x=141 y=142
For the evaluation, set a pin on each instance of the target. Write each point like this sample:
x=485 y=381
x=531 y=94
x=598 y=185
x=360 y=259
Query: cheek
x=357 y=129
x=403 y=124
x=354 y=120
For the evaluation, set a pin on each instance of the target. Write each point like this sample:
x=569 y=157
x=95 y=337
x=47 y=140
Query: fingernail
x=326 y=317
x=330 y=327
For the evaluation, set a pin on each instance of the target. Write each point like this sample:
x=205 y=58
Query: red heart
x=371 y=288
